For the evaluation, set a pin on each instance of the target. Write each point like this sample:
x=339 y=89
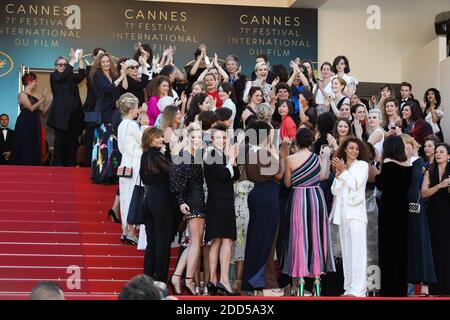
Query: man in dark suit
x=66 y=114
x=6 y=140
x=406 y=95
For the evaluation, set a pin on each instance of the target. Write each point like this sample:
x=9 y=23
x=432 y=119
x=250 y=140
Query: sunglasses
x=132 y=67
x=61 y=64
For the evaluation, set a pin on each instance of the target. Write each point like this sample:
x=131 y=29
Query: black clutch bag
x=136 y=211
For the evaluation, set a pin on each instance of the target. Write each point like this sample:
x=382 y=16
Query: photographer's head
x=47 y=290
x=141 y=287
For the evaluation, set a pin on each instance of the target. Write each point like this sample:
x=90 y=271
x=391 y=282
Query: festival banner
x=34 y=33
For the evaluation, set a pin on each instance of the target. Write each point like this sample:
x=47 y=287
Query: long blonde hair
x=97 y=66
x=168 y=115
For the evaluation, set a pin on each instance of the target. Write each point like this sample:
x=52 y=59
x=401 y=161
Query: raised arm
x=225 y=76
x=199 y=59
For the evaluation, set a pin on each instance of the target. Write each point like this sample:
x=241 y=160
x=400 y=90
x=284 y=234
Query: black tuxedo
x=6 y=145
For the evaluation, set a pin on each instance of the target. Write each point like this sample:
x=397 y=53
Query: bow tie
x=405 y=100
x=4 y=129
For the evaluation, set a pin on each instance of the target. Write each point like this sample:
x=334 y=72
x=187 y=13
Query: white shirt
x=5 y=133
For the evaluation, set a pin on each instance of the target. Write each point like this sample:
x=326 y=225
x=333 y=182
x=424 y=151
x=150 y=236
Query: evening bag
x=136 y=209
x=125 y=171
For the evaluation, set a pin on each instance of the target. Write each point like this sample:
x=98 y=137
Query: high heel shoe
x=172 y=286
x=301 y=288
x=112 y=214
x=123 y=238
x=212 y=289
x=317 y=288
x=187 y=289
x=132 y=240
x=223 y=291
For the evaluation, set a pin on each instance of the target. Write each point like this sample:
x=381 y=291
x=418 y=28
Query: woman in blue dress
x=27 y=148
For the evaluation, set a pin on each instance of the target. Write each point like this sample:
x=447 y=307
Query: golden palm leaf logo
x=6 y=64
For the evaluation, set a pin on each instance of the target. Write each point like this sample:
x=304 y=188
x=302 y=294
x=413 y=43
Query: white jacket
x=354 y=178
x=129 y=138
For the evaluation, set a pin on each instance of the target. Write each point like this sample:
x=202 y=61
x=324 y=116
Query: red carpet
x=53 y=222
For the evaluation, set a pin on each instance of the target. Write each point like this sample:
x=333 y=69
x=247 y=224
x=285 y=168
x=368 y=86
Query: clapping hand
x=142 y=60
x=284 y=150
x=338 y=165
x=72 y=54
x=202 y=48
x=144 y=119
x=183 y=97
x=238 y=72
x=168 y=51
x=292 y=64
x=332 y=141
x=275 y=81
x=215 y=60
x=325 y=152
x=155 y=60
x=374 y=99
x=358 y=128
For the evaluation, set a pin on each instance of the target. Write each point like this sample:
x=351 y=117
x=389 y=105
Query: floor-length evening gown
x=27 y=141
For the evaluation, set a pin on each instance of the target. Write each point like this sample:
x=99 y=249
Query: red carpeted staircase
x=54 y=226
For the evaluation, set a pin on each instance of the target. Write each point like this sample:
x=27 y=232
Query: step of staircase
x=54 y=226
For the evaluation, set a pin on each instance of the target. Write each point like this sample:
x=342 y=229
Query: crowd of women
x=284 y=176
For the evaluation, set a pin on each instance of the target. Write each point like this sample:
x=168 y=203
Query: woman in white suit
x=349 y=212
x=129 y=137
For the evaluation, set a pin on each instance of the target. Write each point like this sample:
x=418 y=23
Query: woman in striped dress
x=308 y=251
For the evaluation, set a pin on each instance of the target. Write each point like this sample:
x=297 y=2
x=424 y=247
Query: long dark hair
x=394 y=148
x=415 y=113
x=148 y=49
x=313 y=75
x=336 y=124
x=364 y=152
x=434 y=168
x=194 y=107
x=437 y=95
x=152 y=88
x=336 y=62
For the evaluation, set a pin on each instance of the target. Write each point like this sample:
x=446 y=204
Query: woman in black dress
x=265 y=169
x=135 y=83
x=220 y=170
x=436 y=187
x=393 y=180
x=160 y=204
x=186 y=182
x=27 y=148
x=420 y=255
